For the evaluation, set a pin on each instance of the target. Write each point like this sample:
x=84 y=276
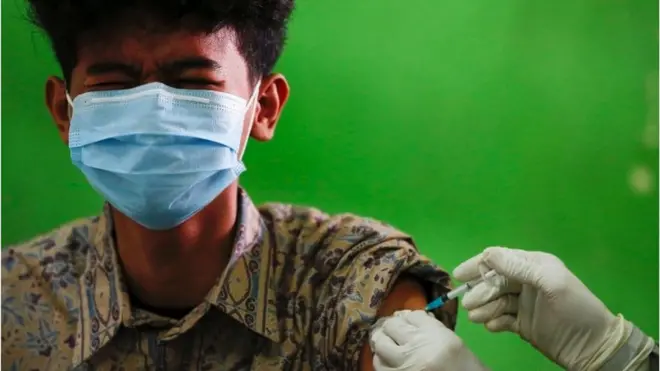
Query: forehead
x=148 y=48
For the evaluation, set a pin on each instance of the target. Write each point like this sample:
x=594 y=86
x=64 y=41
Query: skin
x=176 y=268
x=406 y=294
x=172 y=269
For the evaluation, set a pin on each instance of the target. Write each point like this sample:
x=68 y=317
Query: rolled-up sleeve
x=367 y=259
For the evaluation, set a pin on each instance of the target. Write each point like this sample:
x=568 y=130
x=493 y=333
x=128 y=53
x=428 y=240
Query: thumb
x=381 y=365
x=468 y=270
x=516 y=265
x=422 y=319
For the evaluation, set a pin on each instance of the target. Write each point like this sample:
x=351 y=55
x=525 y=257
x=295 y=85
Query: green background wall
x=531 y=124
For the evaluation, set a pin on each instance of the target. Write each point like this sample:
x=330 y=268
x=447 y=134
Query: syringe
x=460 y=290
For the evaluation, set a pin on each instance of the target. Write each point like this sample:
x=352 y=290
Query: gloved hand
x=416 y=341
x=548 y=306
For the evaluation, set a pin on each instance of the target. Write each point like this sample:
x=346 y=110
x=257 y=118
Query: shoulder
x=39 y=281
x=312 y=227
x=345 y=266
x=325 y=244
x=62 y=247
x=333 y=243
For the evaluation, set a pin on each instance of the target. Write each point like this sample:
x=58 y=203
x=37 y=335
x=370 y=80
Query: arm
x=369 y=282
x=372 y=270
x=639 y=353
x=646 y=366
x=406 y=294
x=548 y=306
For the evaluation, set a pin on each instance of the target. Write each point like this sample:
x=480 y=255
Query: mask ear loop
x=253 y=99
x=70 y=101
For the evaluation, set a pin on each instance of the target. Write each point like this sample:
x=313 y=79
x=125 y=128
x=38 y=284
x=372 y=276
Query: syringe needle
x=460 y=290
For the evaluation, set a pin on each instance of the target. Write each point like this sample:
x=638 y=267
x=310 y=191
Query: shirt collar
x=243 y=292
x=103 y=295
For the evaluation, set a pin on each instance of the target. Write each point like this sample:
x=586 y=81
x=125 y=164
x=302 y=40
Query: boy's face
x=180 y=59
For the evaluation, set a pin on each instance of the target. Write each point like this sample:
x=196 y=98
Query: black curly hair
x=260 y=25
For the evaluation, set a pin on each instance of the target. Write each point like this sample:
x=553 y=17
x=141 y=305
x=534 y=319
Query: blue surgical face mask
x=159 y=154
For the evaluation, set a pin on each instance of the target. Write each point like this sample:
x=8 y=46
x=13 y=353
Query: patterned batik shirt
x=301 y=293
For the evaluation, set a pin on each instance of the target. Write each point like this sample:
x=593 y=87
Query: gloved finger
x=386 y=349
x=485 y=293
x=507 y=304
x=381 y=365
x=475 y=268
x=399 y=330
x=506 y=322
x=421 y=319
x=468 y=270
x=517 y=265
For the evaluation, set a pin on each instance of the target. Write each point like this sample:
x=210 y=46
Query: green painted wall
x=466 y=123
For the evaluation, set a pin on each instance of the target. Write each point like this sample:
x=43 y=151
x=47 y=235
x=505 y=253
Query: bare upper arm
x=370 y=270
x=406 y=294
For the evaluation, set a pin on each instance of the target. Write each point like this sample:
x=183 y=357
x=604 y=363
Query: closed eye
x=198 y=83
x=110 y=85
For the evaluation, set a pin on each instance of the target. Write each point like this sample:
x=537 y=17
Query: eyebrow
x=195 y=63
x=114 y=67
x=169 y=68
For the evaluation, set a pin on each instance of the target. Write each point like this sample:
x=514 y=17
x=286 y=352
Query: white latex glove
x=543 y=302
x=416 y=341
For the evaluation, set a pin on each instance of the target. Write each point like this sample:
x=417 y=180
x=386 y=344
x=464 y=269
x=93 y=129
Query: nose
x=150 y=76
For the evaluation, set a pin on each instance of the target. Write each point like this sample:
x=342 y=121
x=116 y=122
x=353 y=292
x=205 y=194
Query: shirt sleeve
x=367 y=258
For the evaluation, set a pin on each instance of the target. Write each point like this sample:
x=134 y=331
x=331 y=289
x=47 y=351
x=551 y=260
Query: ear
x=58 y=106
x=272 y=98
